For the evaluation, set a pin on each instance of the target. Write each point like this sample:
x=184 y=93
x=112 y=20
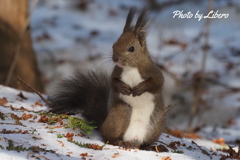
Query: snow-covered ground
x=78 y=35
x=24 y=134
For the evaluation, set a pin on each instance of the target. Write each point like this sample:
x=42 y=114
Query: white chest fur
x=142 y=107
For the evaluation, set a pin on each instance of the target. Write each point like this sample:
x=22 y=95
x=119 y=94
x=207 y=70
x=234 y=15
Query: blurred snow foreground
x=28 y=131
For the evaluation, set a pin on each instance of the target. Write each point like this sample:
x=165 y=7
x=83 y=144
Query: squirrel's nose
x=115 y=58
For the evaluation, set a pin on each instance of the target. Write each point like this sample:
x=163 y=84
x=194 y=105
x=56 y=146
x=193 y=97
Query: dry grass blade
x=38 y=93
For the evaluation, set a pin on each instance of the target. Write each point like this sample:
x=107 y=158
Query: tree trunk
x=13 y=19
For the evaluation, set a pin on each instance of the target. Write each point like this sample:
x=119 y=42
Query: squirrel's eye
x=131 y=49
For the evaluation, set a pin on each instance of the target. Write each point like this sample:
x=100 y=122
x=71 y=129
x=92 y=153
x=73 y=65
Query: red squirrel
x=128 y=106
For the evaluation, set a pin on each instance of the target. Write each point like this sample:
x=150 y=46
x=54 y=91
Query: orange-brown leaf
x=38 y=103
x=192 y=135
x=69 y=136
x=43 y=119
x=219 y=141
x=84 y=154
x=3 y=101
x=176 y=133
x=61 y=143
x=166 y=158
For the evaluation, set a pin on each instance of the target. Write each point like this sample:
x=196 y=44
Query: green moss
x=179 y=152
x=54 y=115
x=2 y=116
x=59 y=136
x=84 y=145
x=12 y=147
x=86 y=126
x=88 y=145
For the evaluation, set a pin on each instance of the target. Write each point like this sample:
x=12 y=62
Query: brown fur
x=115 y=125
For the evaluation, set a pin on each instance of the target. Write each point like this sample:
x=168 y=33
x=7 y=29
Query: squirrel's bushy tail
x=86 y=93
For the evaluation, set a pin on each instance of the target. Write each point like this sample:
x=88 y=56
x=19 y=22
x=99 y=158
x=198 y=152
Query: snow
x=67 y=38
x=45 y=136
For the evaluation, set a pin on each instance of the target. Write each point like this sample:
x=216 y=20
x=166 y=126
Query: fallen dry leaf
x=43 y=119
x=69 y=136
x=192 y=135
x=38 y=103
x=181 y=134
x=3 y=101
x=94 y=146
x=26 y=116
x=61 y=143
x=80 y=135
x=219 y=141
x=176 y=133
x=166 y=158
x=4 y=131
x=57 y=127
x=115 y=155
x=15 y=116
x=85 y=155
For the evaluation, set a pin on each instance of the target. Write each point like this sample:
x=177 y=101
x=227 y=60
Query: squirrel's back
x=86 y=93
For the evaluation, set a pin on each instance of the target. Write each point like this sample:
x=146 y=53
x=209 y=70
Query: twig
x=38 y=93
x=37 y=157
x=18 y=47
x=168 y=108
x=172 y=75
x=203 y=151
x=232 y=89
x=157 y=149
x=11 y=124
x=199 y=89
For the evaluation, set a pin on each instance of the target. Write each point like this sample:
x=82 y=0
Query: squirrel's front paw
x=125 y=89
x=138 y=90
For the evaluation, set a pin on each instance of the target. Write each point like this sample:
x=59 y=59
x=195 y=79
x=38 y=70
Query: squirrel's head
x=131 y=47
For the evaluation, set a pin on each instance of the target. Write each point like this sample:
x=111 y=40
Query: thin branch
x=18 y=47
x=170 y=74
x=38 y=93
x=168 y=108
x=199 y=89
x=230 y=88
x=206 y=79
x=203 y=151
x=37 y=157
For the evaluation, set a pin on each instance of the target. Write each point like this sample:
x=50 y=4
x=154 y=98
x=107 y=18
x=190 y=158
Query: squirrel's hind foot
x=121 y=143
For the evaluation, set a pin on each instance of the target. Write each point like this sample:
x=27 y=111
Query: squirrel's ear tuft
x=140 y=27
x=128 y=26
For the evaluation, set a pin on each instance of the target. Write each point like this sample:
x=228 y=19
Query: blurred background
x=48 y=40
